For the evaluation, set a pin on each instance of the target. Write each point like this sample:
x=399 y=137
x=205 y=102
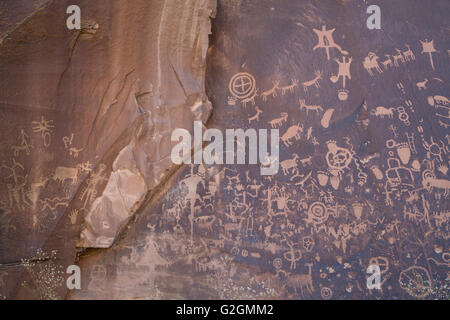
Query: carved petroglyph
x=422 y=85
x=256 y=116
x=383 y=112
x=371 y=62
x=291 y=87
x=250 y=99
x=278 y=122
x=409 y=54
x=272 y=91
x=45 y=128
x=428 y=47
x=24 y=144
x=292 y=132
x=314 y=82
x=326 y=41
x=308 y=108
x=388 y=62
x=286 y=165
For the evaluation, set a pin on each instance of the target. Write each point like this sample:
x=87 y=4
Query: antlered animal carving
x=279 y=121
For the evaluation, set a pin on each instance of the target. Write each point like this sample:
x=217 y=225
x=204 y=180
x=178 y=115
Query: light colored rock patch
x=110 y=212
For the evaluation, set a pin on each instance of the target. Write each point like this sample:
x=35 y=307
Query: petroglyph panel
x=363 y=118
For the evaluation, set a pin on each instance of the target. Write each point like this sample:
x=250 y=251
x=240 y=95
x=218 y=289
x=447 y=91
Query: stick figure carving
x=326 y=41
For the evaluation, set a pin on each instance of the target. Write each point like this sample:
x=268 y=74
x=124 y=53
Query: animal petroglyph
x=250 y=99
x=388 y=62
x=278 y=122
x=286 y=165
x=308 y=108
x=272 y=91
x=292 y=132
x=64 y=173
x=398 y=57
x=291 y=87
x=314 y=82
x=383 y=112
x=422 y=85
x=256 y=116
x=371 y=62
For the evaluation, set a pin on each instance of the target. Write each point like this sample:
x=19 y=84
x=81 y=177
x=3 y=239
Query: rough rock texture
x=89 y=115
x=363 y=121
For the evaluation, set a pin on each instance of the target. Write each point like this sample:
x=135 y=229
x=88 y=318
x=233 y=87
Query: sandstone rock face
x=363 y=153
x=89 y=114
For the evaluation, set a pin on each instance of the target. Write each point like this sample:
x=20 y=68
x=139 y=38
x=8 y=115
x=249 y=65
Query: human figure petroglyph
x=192 y=181
x=326 y=41
x=256 y=116
x=428 y=47
x=278 y=122
x=371 y=62
x=24 y=144
x=382 y=112
x=308 y=108
x=434 y=149
x=67 y=140
x=293 y=255
x=343 y=71
x=292 y=132
x=291 y=87
x=314 y=82
x=89 y=192
x=272 y=91
x=16 y=189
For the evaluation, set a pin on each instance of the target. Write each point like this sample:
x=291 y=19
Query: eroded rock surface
x=88 y=118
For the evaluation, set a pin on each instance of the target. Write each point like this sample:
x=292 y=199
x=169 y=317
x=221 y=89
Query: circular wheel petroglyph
x=242 y=85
